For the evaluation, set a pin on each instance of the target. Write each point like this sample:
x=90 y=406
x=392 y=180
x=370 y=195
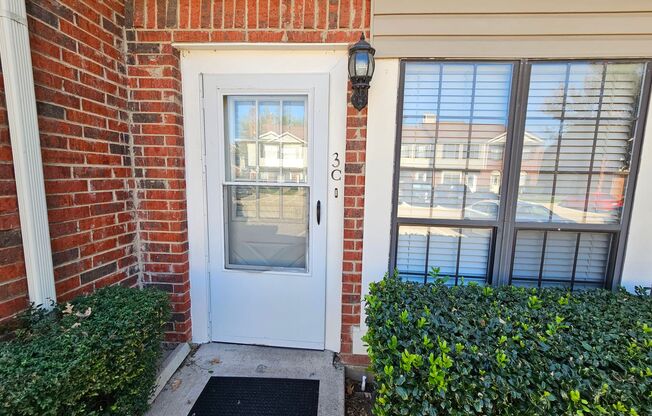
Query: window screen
x=567 y=141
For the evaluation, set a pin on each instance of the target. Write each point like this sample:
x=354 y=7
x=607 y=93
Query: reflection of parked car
x=598 y=201
x=525 y=211
x=482 y=210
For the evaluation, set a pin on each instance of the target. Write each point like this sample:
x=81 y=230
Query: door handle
x=318 y=212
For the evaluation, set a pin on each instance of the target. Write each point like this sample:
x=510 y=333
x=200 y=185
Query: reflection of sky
x=552 y=85
x=269 y=114
x=268 y=109
x=566 y=96
x=243 y=113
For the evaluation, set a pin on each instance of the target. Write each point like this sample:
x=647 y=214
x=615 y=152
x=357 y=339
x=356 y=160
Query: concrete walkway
x=214 y=359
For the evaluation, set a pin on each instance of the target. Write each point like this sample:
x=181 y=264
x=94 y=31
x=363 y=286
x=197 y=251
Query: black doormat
x=244 y=396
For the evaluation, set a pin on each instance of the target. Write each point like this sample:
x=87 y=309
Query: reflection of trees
x=586 y=121
x=598 y=95
x=247 y=124
x=268 y=122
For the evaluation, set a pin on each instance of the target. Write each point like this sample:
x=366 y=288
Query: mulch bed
x=358 y=402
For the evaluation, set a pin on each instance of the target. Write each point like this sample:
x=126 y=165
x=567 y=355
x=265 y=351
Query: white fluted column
x=26 y=150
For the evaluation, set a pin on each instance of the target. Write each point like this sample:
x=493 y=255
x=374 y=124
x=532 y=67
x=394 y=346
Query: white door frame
x=276 y=59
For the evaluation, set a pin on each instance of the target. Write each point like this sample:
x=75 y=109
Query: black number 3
x=336 y=160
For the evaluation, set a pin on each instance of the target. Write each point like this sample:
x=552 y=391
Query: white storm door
x=266 y=139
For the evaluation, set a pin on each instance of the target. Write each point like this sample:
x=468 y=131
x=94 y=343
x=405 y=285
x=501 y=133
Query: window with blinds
x=459 y=112
x=567 y=140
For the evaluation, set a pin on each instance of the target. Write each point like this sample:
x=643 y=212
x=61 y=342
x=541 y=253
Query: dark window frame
x=502 y=244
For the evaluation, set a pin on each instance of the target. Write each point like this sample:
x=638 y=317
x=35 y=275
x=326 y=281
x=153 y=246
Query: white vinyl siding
x=512 y=28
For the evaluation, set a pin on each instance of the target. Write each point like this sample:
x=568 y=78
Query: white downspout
x=26 y=149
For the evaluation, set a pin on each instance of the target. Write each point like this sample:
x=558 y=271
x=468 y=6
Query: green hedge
x=96 y=355
x=474 y=350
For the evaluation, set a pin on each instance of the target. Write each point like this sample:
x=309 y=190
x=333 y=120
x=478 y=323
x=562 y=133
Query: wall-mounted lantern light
x=361 y=69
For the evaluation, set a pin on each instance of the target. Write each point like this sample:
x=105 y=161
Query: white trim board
x=637 y=262
x=277 y=46
x=194 y=63
x=381 y=133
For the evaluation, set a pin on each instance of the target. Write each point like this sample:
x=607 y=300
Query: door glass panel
x=267 y=139
x=267 y=227
x=266 y=219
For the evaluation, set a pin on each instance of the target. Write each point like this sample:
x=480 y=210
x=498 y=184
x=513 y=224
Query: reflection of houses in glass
x=453 y=169
x=447 y=165
x=268 y=139
x=532 y=145
x=279 y=157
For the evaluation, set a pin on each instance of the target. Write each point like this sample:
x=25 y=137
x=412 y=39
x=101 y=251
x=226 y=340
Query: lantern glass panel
x=370 y=70
x=361 y=63
x=352 y=65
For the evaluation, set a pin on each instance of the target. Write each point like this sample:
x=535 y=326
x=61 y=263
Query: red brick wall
x=79 y=70
x=157 y=129
x=13 y=284
x=81 y=93
x=354 y=181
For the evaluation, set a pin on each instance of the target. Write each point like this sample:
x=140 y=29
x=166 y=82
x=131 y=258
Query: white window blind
x=459 y=253
x=574 y=260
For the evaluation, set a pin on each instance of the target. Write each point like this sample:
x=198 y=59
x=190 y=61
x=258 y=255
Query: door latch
x=318 y=212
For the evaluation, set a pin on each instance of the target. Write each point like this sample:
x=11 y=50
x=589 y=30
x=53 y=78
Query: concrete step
x=215 y=359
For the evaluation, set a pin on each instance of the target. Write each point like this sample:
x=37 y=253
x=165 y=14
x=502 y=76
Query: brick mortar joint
x=138 y=245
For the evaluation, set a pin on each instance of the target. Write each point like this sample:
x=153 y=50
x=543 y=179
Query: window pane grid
x=559 y=137
x=266 y=188
x=267 y=139
x=577 y=144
